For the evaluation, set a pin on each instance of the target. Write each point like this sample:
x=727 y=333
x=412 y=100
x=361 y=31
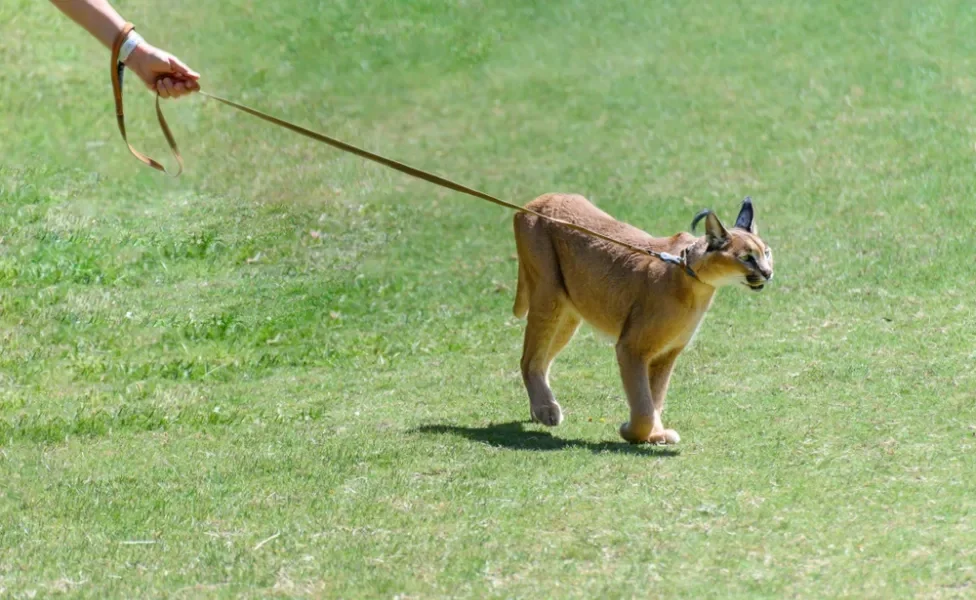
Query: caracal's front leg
x=645 y=416
x=659 y=374
x=633 y=373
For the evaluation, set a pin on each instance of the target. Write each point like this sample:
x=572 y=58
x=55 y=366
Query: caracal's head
x=733 y=256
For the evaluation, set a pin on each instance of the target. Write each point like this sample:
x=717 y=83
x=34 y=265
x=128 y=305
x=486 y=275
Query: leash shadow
x=513 y=435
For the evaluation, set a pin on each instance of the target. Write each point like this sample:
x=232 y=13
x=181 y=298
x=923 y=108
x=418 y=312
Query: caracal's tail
x=521 y=307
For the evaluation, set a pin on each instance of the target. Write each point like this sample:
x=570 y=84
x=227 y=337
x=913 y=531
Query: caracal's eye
x=748 y=259
x=768 y=252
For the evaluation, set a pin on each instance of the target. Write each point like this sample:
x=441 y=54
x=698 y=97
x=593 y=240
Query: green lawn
x=294 y=372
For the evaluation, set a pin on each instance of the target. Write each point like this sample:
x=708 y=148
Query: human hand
x=162 y=72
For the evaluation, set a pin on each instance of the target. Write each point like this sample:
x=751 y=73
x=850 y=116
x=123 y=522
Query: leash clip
x=680 y=261
x=671 y=258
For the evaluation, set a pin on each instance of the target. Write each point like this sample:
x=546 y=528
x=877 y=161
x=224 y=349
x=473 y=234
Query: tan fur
x=651 y=308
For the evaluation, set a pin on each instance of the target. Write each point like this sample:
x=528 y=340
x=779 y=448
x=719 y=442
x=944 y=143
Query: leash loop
x=118 y=69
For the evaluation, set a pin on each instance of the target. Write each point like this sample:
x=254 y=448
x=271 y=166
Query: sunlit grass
x=292 y=372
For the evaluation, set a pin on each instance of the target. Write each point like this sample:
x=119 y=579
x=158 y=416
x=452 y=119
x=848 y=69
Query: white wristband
x=130 y=43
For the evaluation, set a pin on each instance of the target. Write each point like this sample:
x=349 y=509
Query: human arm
x=159 y=70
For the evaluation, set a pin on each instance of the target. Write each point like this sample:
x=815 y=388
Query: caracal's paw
x=668 y=436
x=548 y=414
x=641 y=434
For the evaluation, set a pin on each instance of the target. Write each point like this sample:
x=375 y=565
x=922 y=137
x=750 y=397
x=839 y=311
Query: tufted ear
x=746 y=220
x=715 y=232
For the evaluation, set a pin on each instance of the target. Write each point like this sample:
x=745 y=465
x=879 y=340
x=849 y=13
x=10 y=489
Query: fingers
x=183 y=82
x=168 y=87
x=165 y=74
x=177 y=66
x=164 y=87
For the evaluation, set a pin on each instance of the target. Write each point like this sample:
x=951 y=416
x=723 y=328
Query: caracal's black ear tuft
x=715 y=232
x=701 y=215
x=746 y=219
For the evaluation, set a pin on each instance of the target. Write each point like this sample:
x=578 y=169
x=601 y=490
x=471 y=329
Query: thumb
x=176 y=66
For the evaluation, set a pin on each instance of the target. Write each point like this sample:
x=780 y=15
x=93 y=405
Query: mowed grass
x=293 y=372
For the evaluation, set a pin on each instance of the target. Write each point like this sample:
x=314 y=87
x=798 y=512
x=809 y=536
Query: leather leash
x=118 y=68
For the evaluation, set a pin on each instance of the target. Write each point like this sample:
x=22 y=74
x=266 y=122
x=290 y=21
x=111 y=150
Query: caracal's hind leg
x=568 y=325
x=551 y=324
x=550 y=320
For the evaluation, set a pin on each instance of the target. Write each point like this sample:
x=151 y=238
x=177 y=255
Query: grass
x=291 y=372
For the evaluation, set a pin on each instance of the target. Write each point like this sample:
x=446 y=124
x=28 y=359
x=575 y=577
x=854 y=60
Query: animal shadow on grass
x=514 y=436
